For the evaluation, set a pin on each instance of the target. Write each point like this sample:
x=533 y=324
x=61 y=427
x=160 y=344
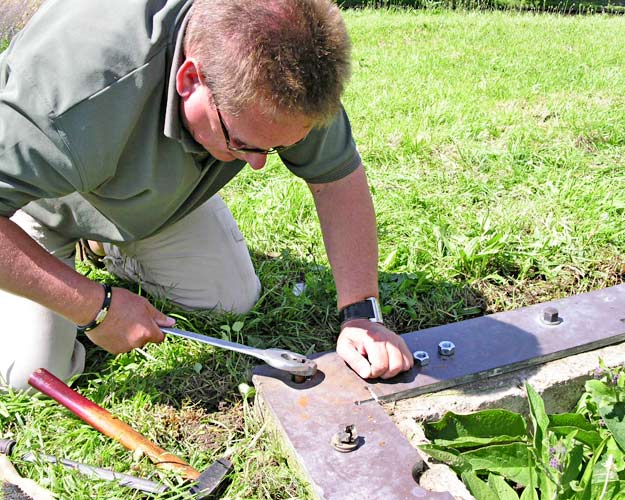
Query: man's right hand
x=27 y=270
x=131 y=322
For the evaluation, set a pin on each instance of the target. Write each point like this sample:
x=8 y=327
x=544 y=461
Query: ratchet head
x=290 y=362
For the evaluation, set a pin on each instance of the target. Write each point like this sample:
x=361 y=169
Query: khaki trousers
x=201 y=262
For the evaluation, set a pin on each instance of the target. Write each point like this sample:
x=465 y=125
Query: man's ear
x=187 y=78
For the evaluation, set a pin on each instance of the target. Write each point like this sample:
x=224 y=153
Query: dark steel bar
x=508 y=341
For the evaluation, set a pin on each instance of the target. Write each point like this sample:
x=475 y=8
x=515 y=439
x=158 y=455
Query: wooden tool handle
x=107 y=424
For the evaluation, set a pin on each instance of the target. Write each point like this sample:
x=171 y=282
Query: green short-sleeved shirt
x=91 y=141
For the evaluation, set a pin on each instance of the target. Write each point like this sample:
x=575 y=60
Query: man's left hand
x=372 y=350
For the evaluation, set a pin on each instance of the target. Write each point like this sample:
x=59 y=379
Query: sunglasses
x=250 y=149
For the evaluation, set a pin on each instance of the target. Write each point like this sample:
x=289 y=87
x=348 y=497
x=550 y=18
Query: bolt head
x=346 y=439
x=421 y=358
x=446 y=348
x=551 y=316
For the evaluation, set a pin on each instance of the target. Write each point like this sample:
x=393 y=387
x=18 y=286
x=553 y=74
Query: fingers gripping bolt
x=422 y=358
x=346 y=439
x=446 y=348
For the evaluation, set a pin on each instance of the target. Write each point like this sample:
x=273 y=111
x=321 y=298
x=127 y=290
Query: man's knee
x=35 y=337
x=246 y=299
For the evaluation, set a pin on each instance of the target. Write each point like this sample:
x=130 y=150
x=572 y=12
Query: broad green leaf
x=614 y=490
x=547 y=479
x=478 y=488
x=479 y=428
x=585 y=484
x=604 y=470
x=529 y=494
x=572 y=469
x=512 y=461
x=540 y=420
x=619 y=456
x=570 y=420
x=610 y=463
x=447 y=455
x=592 y=439
x=614 y=418
x=586 y=406
x=611 y=410
x=601 y=393
x=501 y=488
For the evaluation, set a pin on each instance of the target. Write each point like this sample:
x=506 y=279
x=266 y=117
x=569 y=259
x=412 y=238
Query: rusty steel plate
x=309 y=414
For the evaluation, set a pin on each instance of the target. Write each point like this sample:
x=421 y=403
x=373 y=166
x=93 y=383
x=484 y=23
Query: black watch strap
x=365 y=309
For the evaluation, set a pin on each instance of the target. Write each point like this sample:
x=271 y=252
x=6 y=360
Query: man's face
x=249 y=129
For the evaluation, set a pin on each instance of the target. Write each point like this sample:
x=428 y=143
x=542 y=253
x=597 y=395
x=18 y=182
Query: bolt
x=422 y=358
x=551 y=316
x=346 y=439
x=446 y=348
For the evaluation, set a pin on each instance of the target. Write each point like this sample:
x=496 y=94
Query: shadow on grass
x=182 y=371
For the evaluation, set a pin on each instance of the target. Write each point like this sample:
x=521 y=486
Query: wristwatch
x=365 y=309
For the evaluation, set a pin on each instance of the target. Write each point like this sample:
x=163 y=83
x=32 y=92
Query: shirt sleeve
x=34 y=161
x=326 y=155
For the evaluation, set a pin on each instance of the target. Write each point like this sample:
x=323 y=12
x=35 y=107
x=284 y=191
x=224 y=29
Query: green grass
x=494 y=144
x=552 y=6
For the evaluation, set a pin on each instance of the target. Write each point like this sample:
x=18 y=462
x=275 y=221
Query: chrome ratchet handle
x=224 y=344
x=295 y=364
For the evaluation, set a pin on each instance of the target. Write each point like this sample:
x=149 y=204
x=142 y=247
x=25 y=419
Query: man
x=120 y=121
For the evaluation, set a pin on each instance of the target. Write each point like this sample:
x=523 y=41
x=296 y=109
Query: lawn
x=494 y=145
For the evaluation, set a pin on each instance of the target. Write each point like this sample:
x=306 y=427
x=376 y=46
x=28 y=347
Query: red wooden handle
x=100 y=419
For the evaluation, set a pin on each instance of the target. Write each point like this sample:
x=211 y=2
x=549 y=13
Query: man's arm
x=29 y=271
x=348 y=225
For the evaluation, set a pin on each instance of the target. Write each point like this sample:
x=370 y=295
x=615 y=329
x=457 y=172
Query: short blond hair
x=288 y=56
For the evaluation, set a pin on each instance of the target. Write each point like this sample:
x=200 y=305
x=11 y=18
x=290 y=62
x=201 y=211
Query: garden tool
x=290 y=362
x=127 y=480
x=206 y=483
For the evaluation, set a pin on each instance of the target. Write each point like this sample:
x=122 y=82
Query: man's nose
x=255 y=160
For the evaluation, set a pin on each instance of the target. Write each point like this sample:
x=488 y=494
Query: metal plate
x=503 y=342
x=309 y=414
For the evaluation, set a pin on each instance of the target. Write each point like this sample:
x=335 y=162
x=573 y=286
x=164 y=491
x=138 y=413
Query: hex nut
x=551 y=316
x=421 y=358
x=346 y=439
x=446 y=348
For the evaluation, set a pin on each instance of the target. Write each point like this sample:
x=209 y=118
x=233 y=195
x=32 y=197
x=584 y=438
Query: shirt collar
x=173 y=127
